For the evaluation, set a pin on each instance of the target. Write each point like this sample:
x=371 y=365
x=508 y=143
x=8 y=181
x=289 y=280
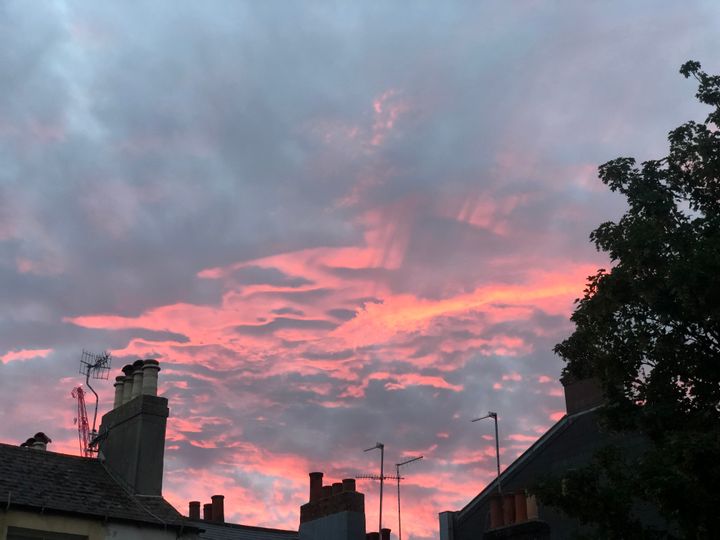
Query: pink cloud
x=24 y=354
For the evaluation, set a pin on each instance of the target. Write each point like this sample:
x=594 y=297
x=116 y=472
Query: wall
x=339 y=526
x=92 y=529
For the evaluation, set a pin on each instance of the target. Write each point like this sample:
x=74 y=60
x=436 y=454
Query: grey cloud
x=283 y=323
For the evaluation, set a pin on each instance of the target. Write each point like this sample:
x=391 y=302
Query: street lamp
x=493 y=415
x=397 y=475
x=381 y=446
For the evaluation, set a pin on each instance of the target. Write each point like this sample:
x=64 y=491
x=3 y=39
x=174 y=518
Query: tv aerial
x=94 y=366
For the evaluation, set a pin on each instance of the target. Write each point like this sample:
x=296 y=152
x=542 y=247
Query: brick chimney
x=132 y=435
x=581 y=394
x=334 y=512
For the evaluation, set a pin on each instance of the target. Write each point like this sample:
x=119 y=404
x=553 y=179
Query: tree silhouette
x=649 y=330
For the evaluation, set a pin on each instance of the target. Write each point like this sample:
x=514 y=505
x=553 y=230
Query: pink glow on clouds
x=387 y=108
x=24 y=354
x=243 y=340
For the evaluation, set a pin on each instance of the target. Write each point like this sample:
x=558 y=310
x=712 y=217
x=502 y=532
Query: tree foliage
x=649 y=329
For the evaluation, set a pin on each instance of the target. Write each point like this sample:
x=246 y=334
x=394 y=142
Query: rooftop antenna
x=381 y=477
x=96 y=366
x=398 y=478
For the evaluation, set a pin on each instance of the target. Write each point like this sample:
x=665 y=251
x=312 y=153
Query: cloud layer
x=334 y=225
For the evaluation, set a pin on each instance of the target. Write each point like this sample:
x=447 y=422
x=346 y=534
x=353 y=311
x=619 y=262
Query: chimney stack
x=334 y=512
x=582 y=394
x=218 y=508
x=194 y=512
x=38 y=442
x=132 y=435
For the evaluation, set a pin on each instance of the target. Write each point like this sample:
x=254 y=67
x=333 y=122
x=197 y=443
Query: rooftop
x=52 y=482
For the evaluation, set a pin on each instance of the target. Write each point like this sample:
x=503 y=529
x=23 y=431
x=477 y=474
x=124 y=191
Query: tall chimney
x=150 y=377
x=137 y=379
x=194 y=512
x=316 y=479
x=127 y=386
x=119 y=383
x=132 y=438
x=218 y=508
x=207 y=511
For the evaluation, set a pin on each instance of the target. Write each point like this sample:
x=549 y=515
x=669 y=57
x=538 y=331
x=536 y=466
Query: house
x=118 y=494
x=509 y=512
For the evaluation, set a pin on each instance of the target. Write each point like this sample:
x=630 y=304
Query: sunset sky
x=333 y=224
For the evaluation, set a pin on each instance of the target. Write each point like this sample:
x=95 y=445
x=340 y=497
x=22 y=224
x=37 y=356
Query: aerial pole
x=381 y=446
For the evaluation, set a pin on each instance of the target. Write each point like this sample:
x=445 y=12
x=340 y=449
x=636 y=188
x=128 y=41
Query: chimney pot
x=337 y=487
x=521 y=511
x=348 y=484
x=384 y=534
x=137 y=376
x=315 y=485
x=496 y=512
x=40 y=436
x=508 y=504
x=532 y=509
x=218 y=508
x=119 y=383
x=29 y=442
x=39 y=441
x=372 y=536
x=150 y=371
x=207 y=512
x=326 y=492
x=128 y=384
x=194 y=510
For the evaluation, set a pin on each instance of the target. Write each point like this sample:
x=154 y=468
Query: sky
x=334 y=223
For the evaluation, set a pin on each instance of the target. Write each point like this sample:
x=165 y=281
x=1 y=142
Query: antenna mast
x=96 y=366
x=82 y=422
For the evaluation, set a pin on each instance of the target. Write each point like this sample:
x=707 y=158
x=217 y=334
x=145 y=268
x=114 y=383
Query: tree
x=649 y=330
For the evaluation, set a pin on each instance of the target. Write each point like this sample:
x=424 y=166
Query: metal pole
x=382 y=480
x=397 y=473
x=493 y=415
x=497 y=449
x=381 y=446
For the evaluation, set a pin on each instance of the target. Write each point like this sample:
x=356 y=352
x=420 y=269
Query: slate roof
x=52 y=482
x=231 y=531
